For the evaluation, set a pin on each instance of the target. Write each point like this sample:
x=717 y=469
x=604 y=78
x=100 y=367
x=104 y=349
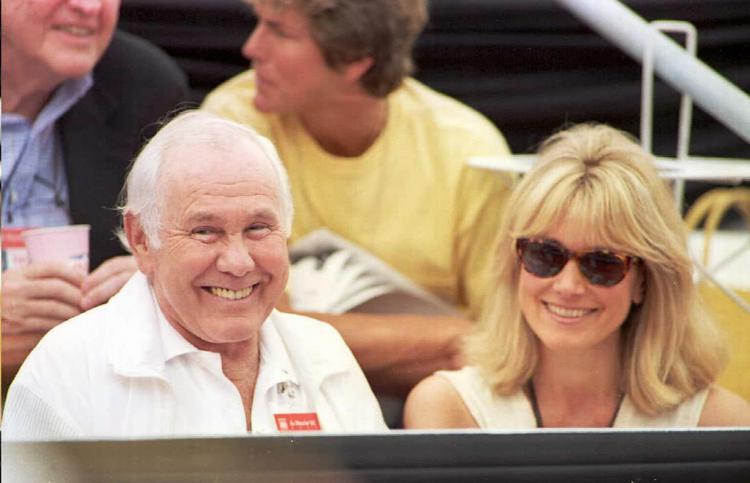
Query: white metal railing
x=686 y=102
x=620 y=25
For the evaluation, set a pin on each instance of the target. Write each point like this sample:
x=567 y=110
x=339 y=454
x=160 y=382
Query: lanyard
x=55 y=185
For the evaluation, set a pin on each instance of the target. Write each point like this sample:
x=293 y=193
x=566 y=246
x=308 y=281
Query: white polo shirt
x=121 y=370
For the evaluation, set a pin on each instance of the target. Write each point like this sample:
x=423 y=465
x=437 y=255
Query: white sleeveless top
x=514 y=411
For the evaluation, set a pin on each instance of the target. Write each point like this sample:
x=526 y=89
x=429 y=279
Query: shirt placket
x=21 y=177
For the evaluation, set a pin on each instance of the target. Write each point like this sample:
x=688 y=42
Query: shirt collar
x=141 y=340
x=308 y=349
x=275 y=364
x=173 y=344
x=64 y=97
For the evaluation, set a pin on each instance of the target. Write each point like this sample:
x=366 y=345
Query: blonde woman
x=594 y=320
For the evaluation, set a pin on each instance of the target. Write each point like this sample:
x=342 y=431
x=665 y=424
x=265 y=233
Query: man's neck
x=240 y=362
x=347 y=127
x=25 y=90
x=241 y=365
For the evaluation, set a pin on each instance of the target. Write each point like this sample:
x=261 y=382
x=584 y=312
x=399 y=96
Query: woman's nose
x=570 y=280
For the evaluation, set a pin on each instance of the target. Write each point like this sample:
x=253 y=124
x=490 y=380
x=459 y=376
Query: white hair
x=141 y=192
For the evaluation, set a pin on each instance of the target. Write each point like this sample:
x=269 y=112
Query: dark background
x=528 y=65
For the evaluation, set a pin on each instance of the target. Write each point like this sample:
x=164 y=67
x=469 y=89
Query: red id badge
x=297 y=421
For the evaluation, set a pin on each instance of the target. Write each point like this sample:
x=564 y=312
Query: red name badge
x=297 y=422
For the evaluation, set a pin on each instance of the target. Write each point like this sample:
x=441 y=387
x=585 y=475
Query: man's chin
x=75 y=66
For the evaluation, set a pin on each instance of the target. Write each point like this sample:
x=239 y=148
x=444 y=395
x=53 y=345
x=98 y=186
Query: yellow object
x=410 y=199
x=712 y=206
x=736 y=324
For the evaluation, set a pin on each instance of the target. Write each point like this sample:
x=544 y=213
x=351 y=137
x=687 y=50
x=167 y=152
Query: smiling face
x=222 y=263
x=60 y=39
x=291 y=74
x=566 y=311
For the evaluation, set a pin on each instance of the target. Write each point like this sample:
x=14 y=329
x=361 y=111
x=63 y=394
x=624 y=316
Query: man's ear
x=139 y=243
x=354 y=71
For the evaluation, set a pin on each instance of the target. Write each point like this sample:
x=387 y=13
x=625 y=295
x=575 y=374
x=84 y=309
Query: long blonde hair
x=600 y=179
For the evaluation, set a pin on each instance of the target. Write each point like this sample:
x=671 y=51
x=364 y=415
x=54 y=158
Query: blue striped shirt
x=35 y=188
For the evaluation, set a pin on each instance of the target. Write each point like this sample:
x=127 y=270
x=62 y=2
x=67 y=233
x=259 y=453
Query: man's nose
x=235 y=258
x=253 y=47
x=88 y=7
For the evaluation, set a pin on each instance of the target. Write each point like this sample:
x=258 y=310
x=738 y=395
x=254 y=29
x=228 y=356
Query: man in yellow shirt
x=378 y=158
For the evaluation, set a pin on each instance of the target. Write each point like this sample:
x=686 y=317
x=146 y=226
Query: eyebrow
x=254 y=213
x=277 y=26
x=265 y=212
x=201 y=217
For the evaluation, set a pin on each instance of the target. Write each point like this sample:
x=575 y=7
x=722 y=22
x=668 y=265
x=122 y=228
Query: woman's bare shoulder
x=724 y=408
x=434 y=404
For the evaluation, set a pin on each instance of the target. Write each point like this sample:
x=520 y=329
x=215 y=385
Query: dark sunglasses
x=546 y=258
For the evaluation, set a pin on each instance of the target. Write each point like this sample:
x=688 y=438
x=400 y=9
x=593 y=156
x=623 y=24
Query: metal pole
x=686 y=103
x=620 y=25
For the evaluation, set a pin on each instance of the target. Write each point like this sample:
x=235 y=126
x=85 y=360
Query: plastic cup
x=60 y=243
x=14 y=248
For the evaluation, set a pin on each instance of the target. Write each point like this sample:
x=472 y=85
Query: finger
x=53 y=289
x=39 y=316
x=61 y=270
x=103 y=292
x=32 y=324
x=111 y=268
x=27 y=298
x=53 y=310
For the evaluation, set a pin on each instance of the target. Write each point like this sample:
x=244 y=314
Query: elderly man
x=192 y=343
x=78 y=100
x=378 y=158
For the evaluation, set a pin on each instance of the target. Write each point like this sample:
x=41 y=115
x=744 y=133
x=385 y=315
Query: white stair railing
x=686 y=103
x=626 y=29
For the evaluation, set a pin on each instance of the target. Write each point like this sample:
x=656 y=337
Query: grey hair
x=140 y=195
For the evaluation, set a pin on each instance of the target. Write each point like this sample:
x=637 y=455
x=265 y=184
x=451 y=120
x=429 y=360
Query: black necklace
x=538 y=413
